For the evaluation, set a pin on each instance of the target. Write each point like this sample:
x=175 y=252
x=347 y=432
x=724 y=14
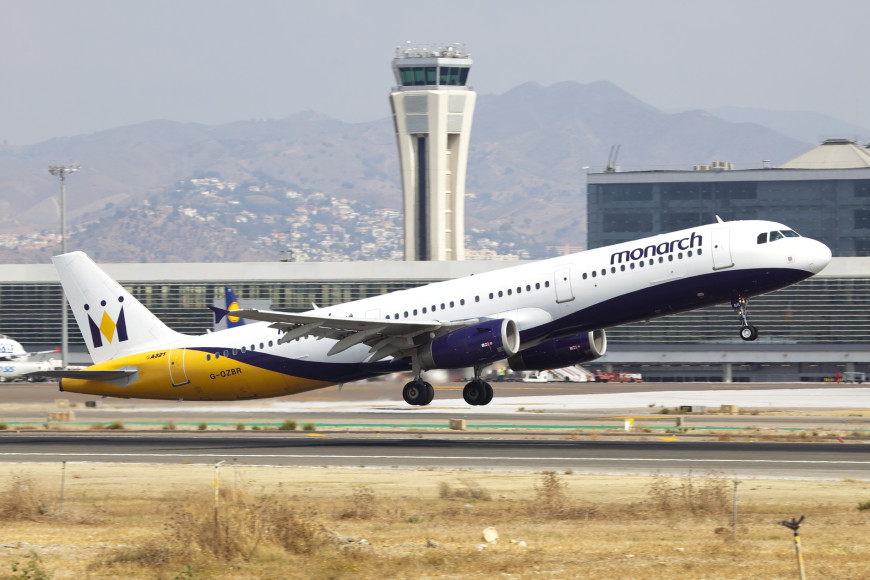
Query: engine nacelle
x=561 y=352
x=480 y=343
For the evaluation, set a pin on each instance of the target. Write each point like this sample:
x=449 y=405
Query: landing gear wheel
x=749 y=332
x=477 y=392
x=489 y=394
x=429 y=394
x=418 y=393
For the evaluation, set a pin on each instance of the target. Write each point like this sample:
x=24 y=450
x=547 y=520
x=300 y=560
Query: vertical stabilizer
x=111 y=320
x=232 y=304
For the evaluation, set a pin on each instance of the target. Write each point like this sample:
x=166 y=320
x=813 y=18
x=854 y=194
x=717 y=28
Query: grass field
x=122 y=521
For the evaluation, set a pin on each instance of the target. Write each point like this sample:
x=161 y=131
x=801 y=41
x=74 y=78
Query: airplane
x=232 y=304
x=15 y=362
x=546 y=314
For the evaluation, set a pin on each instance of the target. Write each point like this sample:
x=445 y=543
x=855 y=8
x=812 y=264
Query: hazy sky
x=74 y=67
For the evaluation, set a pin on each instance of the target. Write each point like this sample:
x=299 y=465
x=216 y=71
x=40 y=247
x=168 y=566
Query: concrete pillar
x=726 y=372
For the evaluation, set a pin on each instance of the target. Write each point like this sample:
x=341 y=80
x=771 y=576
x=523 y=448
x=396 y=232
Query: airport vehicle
x=537 y=316
x=618 y=377
x=16 y=363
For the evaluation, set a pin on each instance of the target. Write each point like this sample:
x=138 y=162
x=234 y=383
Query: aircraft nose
x=818 y=256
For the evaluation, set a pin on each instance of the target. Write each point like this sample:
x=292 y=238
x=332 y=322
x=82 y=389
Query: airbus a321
x=542 y=315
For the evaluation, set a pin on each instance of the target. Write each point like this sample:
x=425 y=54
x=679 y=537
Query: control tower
x=432 y=112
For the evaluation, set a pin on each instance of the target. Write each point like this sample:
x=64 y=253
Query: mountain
x=526 y=180
x=809 y=127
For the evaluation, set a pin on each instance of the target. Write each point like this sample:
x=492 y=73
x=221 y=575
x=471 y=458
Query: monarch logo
x=231 y=307
x=655 y=249
x=107 y=327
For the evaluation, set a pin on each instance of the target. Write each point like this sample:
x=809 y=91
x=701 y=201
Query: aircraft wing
x=384 y=337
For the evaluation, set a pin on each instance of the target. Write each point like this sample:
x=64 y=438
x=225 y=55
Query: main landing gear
x=478 y=391
x=747 y=331
x=418 y=392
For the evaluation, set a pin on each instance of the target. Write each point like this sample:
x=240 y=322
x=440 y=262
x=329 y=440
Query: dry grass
x=161 y=522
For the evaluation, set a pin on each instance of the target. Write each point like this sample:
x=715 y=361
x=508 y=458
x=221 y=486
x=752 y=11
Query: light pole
x=62 y=171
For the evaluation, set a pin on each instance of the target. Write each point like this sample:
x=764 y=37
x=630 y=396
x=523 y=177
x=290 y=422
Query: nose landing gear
x=740 y=305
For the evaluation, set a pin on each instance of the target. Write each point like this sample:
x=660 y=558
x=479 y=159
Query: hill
x=526 y=180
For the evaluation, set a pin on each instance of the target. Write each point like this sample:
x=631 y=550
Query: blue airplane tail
x=232 y=304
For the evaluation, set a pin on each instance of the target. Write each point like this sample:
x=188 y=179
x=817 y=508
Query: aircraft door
x=177 y=374
x=722 y=249
x=562 y=281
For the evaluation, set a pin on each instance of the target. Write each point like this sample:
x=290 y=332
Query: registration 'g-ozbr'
x=542 y=315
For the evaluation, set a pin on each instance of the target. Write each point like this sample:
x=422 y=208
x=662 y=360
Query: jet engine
x=561 y=352
x=480 y=343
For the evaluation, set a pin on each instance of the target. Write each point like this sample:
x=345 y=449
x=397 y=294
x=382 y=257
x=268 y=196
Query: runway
x=745 y=460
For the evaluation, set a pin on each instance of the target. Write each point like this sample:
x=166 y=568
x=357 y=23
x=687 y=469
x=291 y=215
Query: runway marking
x=433 y=457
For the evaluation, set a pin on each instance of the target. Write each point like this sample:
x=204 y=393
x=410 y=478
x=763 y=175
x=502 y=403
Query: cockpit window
x=790 y=234
x=776 y=236
x=762 y=238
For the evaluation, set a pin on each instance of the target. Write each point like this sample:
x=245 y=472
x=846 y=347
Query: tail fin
x=232 y=304
x=112 y=322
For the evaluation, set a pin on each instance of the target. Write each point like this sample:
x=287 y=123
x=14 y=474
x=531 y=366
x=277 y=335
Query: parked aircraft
x=16 y=363
x=537 y=316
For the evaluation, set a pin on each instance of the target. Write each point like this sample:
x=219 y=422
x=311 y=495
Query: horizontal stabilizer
x=219 y=313
x=107 y=375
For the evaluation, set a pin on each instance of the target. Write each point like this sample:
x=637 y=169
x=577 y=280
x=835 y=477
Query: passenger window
x=528 y=287
x=537 y=286
x=208 y=357
x=622 y=268
x=491 y=295
x=585 y=275
x=594 y=274
x=762 y=238
x=462 y=301
x=689 y=253
x=670 y=257
x=424 y=310
x=603 y=271
x=661 y=259
x=700 y=251
x=547 y=284
x=500 y=293
x=510 y=292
